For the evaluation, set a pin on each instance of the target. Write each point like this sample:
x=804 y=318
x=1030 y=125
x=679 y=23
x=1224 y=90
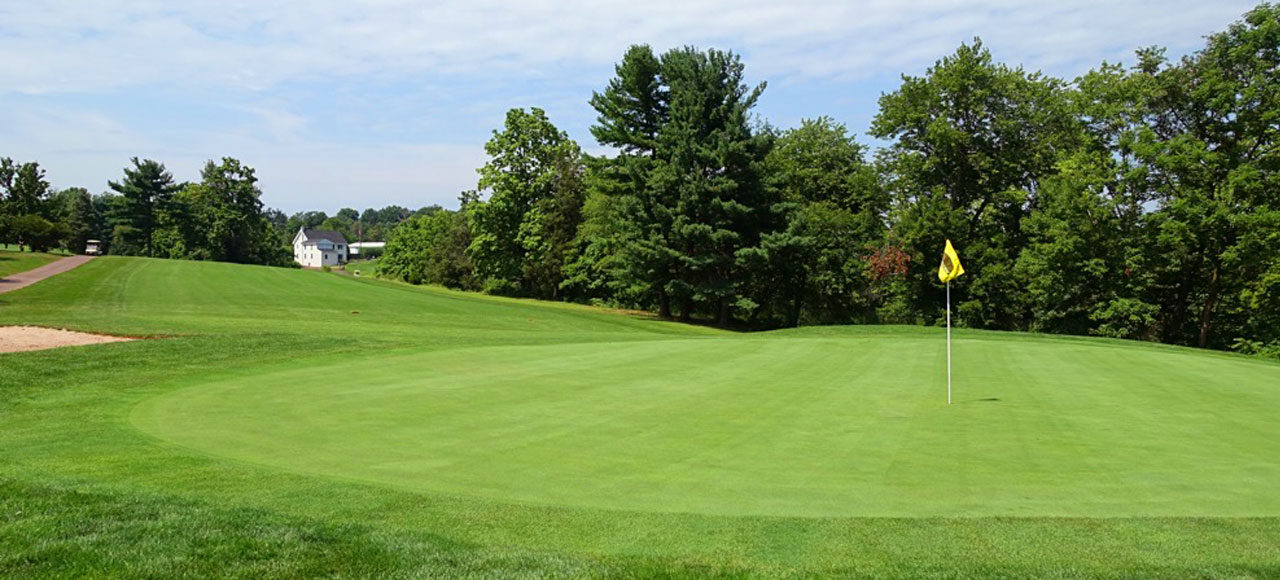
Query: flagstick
x=948 y=342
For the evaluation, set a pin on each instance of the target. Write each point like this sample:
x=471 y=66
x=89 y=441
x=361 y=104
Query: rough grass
x=85 y=493
x=12 y=261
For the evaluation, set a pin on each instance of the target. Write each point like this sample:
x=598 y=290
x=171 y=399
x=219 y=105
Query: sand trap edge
x=29 y=338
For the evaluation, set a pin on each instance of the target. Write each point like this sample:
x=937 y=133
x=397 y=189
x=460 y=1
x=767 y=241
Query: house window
x=326 y=256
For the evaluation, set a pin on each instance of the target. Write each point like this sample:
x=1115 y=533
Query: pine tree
x=146 y=188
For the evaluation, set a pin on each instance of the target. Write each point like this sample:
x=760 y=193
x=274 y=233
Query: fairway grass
x=12 y=261
x=293 y=423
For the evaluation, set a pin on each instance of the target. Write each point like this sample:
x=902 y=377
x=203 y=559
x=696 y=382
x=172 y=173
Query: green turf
x=294 y=423
x=12 y=262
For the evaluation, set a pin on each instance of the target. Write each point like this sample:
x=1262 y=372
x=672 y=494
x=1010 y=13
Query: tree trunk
x=686 y=309
x=723 y=317
x=1206 y=314
x=1178 y=315
x=664 y=304
x=797 y=301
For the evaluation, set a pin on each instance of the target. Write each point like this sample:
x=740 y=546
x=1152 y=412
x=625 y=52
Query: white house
x=316 y=248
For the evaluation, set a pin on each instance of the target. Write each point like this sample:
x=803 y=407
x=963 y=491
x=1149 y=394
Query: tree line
x=145 y=213
x=1134 y=201
x=148 y=213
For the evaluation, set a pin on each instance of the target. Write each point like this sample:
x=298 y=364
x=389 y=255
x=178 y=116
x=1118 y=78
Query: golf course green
x=289 y=423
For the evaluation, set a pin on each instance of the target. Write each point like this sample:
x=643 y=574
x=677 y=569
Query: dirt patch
x=23 y=338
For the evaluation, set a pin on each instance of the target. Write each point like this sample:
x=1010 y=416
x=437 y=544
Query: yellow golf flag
x=950 y=269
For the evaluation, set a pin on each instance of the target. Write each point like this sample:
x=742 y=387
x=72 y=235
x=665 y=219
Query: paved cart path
x=24 y=279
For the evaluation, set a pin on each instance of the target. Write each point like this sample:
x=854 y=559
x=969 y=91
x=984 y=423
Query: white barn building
x=358 y=249
x=316 y=248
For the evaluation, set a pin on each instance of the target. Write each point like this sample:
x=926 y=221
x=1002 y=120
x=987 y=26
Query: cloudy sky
x=372 y=102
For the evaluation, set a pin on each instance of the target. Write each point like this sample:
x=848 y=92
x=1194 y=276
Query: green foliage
x=834 y=205
x=819 y=161
x=36 y=232
x=25 y=188
x=620 y=250
x=232 y=224
x=1084 y=263
x=73 y=207
x=1209 y=145
x=342 y=225
x=124 y=241
x=24 y=213
x=972 y=141
x=688 y=183
x=523 y=230
x=1257 y=348
x=597 y=270
x=430 y=249
x=1131 y=203
x=708 y=176
x=147 y=190
x=306 y=219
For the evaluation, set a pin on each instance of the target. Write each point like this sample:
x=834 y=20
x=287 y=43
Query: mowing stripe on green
x=786 y=426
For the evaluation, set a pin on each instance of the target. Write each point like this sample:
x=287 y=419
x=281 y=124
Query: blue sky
x=375 y=102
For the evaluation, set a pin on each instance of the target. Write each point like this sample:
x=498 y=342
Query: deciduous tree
x=522 y=231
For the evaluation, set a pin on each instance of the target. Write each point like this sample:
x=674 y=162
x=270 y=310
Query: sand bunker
x=21 y=338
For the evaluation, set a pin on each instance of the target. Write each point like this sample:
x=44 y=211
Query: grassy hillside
x=12 y=261
x=293 y=423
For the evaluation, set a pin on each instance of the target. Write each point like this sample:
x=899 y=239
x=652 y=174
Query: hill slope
x=297 y=423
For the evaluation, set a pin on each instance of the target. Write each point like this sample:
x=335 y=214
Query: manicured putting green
x=784 y=424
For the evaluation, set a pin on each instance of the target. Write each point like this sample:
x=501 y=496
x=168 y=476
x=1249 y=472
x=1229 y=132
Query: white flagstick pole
x=948 y=342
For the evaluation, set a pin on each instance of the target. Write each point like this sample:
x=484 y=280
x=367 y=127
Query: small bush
x=1257 y=348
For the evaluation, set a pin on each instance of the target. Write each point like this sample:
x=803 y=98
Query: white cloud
x=469 y=59
x=295 y=173
x=72 y=45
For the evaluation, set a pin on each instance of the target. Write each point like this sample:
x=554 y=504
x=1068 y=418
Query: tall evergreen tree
x=686 y=181
x=621 y=248
x=81 y=221
x=708 y=175
x=146 y=189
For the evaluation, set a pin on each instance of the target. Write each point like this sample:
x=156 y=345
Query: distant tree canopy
x=371 y=225
x=431 y=248
x=1132 y=202
x=148 y=213
x=26 y=214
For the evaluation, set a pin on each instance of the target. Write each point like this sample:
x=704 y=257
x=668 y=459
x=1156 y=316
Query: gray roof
x=332 y=236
